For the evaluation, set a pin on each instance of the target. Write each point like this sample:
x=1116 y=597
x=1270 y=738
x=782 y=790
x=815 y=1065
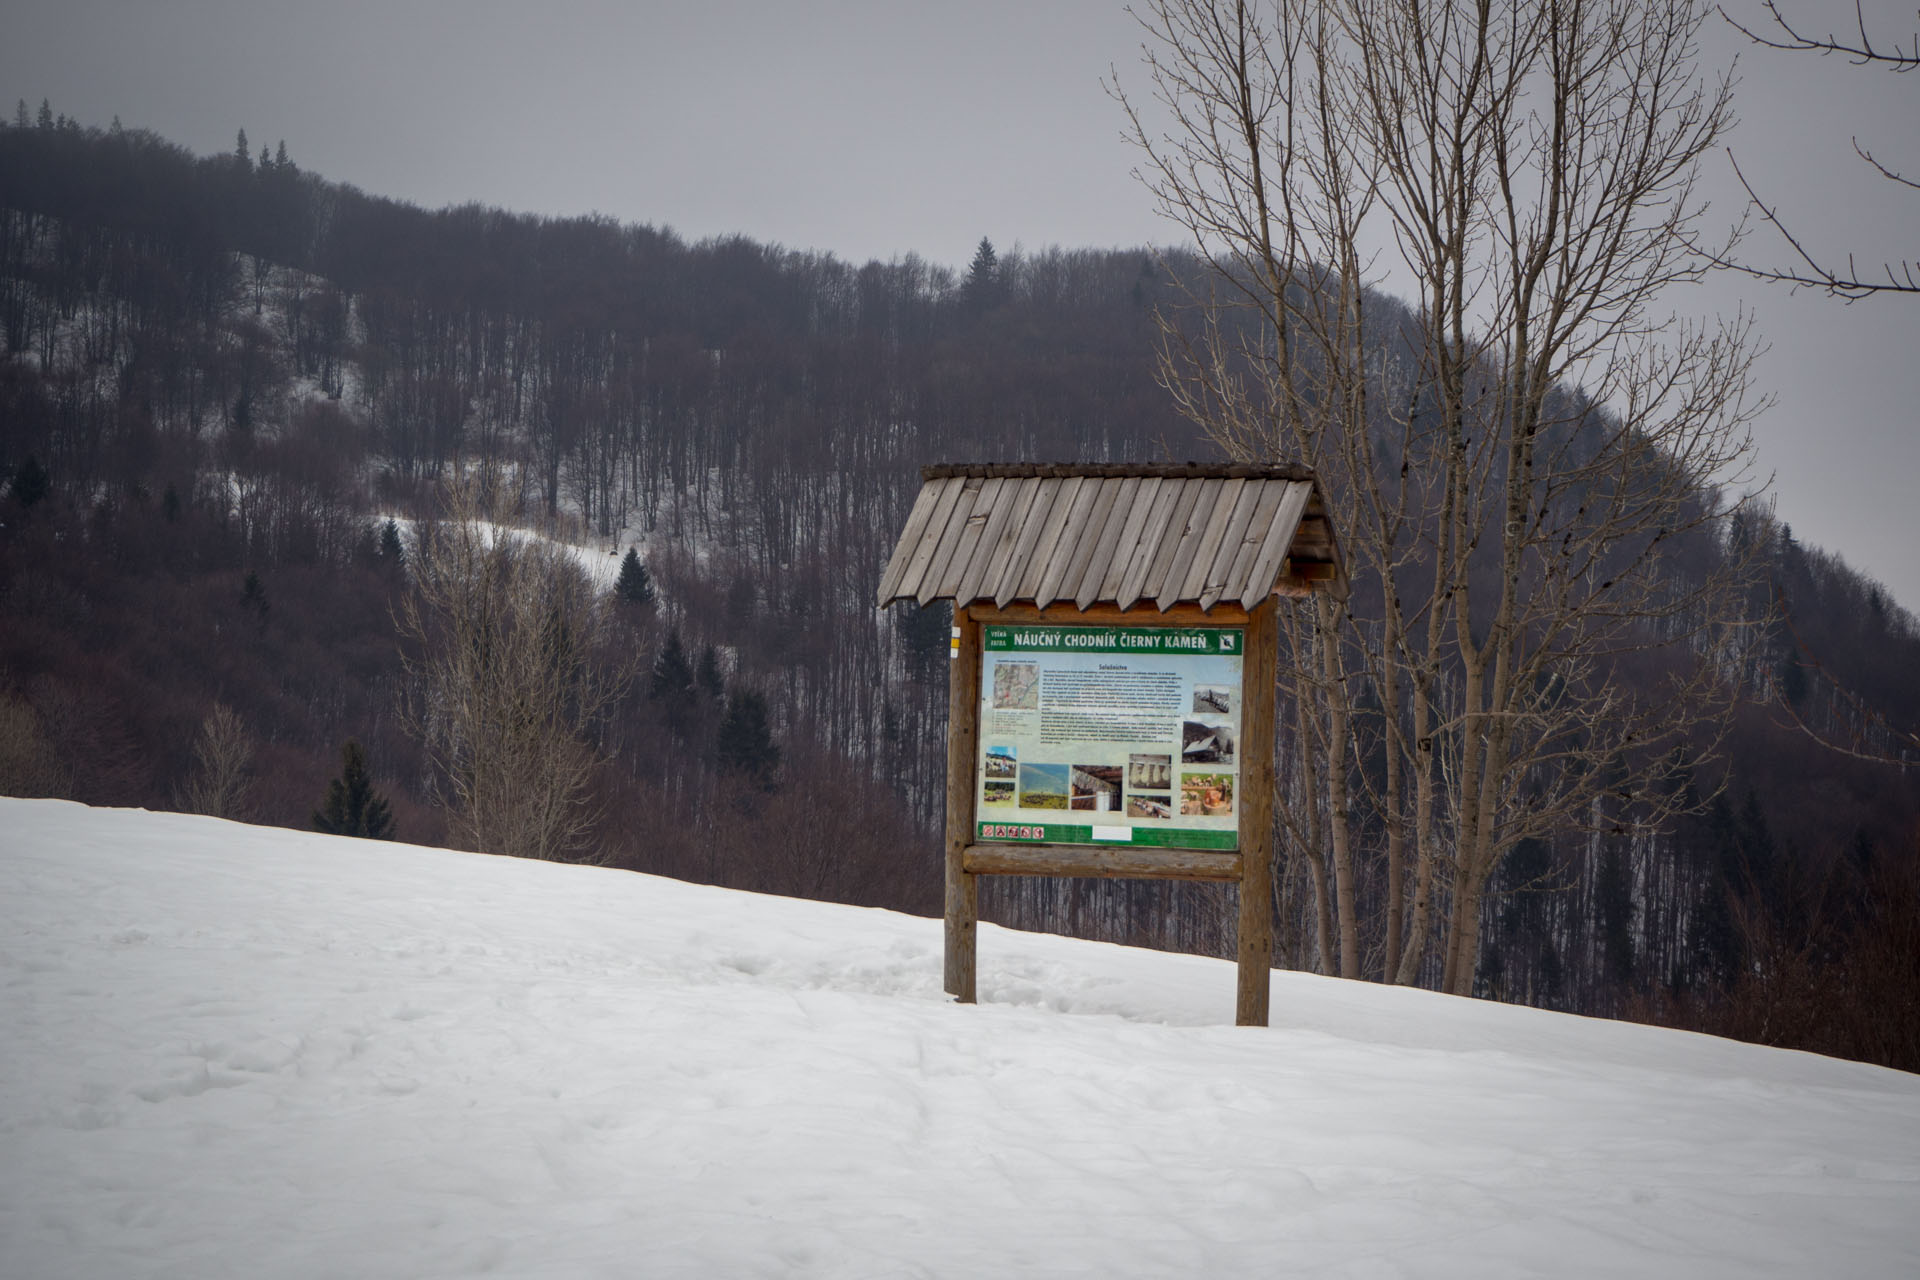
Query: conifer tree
x=923 y=635
x=391 y=549
x=635 y=585
x=353 y=807
x=746 y=746
x=240 y=153
x=983 y=276
x=253 y=596
x=30 y=482
x=672 y=673
x=712 y=682
x=673 y=684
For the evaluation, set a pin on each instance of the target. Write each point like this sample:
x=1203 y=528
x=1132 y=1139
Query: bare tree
x=29 y=763
x=220 y=783
x=1821 y=272
x=514 y=669
x=1521 y=465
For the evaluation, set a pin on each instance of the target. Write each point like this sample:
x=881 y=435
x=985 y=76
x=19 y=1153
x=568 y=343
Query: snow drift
x=241 y=1051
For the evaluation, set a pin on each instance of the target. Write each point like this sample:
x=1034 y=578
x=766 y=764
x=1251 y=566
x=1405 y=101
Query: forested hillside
x=223 y=376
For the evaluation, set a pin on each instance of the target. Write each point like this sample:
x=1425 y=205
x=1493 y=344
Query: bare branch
x=1849 y=282
x=1861 y=52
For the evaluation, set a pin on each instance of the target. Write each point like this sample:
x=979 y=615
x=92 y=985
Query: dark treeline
x=221 y=375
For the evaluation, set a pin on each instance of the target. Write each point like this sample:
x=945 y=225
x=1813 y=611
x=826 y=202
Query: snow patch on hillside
x=602 y=568
x=241 y=1051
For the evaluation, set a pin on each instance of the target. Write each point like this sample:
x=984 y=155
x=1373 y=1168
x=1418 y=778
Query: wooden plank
x=963 y=737
x=916 y=572
x=1182 y=534
x=1208 y=577
x=1042 y=550
x=967 y=581
x=923 y=505
x=1233 y=580
x=946 y=577
x=1019 y=510
x=1227 y=613
x=1143 y=504
x=1151 y=534
x=1188 y=578
x=1273 y=547
x=1072 y=533
x=933 y=585
x=1163 y=551
x=1007 y=586
x=1258 y=674
x=1107 y=545
x=1312 y=538
x=1093 y=528
x=1101 y=862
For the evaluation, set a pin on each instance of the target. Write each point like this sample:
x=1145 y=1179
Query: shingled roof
x=1120 y=535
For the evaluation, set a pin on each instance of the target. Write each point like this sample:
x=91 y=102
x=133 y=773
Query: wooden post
x=963 y=754
x=1259 y=670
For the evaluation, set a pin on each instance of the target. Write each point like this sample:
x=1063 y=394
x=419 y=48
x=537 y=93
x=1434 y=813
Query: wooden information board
x=1111 y=702
x=1112 y=744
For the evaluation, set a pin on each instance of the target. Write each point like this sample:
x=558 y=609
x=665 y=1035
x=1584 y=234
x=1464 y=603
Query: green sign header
x=1192 y=641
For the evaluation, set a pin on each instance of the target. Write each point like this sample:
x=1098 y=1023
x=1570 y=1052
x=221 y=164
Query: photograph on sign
x=1096 y=735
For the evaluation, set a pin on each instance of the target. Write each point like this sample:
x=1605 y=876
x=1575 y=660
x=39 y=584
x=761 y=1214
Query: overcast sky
x=873 y=128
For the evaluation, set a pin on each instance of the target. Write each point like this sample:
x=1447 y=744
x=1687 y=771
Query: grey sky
x=872 y=128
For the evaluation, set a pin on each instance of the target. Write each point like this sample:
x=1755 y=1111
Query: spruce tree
x=635 y=585
x=391 y=549
x=983 y=283
x=673 y=685
x=672 y=673
x=746 y=745
x=253 y=596
x=923 y=635
x=353 y=807
x=30 y=482
x=712 y=683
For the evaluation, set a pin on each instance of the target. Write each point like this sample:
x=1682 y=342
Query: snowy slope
x=239 y=1051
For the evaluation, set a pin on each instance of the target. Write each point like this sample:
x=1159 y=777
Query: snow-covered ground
x=239 y=1051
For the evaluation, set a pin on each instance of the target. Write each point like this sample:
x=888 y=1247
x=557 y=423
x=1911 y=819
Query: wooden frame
x=1251 y=865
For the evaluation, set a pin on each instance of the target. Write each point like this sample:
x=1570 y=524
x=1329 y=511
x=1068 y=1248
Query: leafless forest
x=222 y=376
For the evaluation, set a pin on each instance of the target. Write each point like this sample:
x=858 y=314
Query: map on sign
x=1095 y=735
